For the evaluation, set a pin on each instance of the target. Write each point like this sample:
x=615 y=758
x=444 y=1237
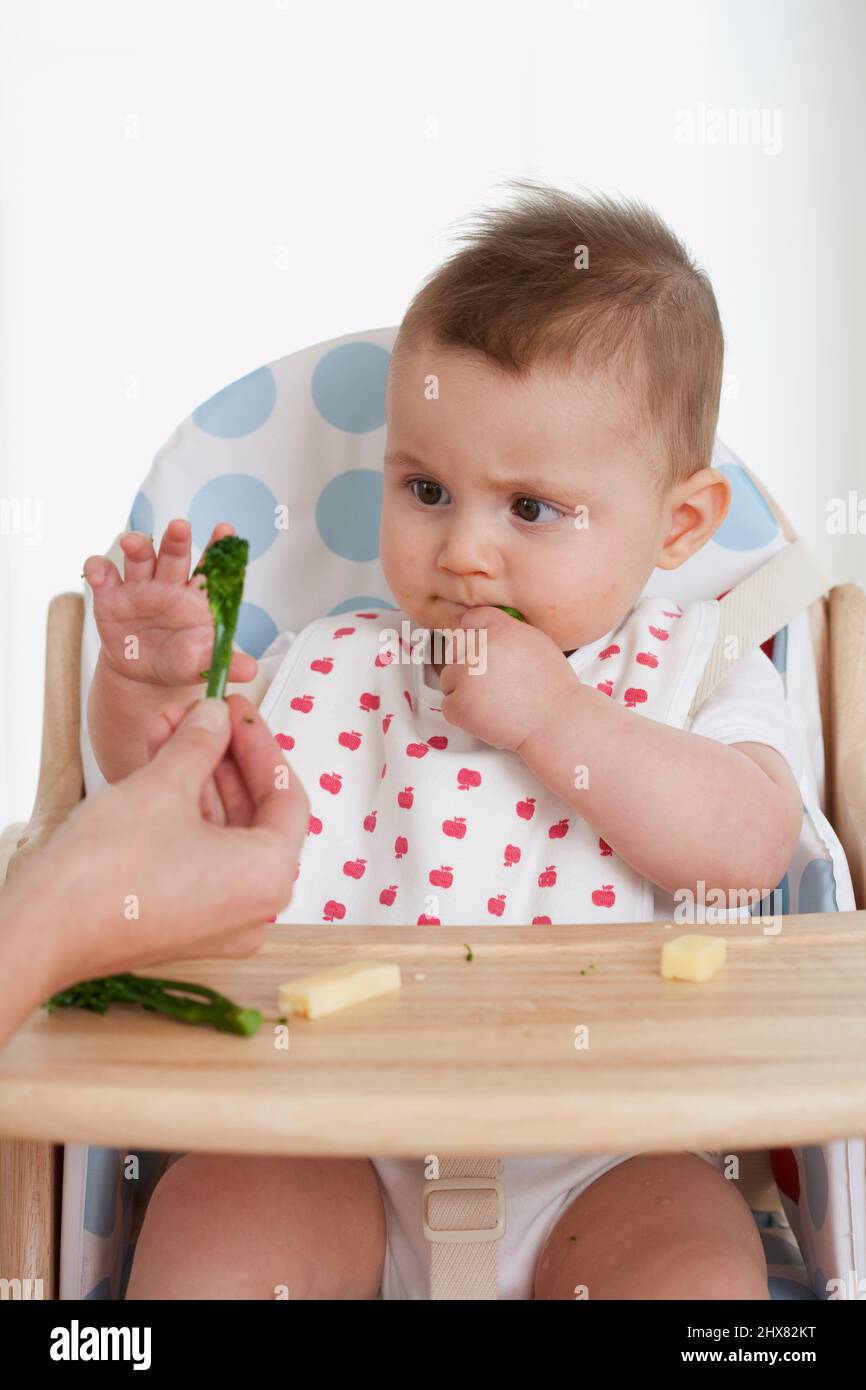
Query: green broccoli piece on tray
x=186 y=1002
x=223 y=566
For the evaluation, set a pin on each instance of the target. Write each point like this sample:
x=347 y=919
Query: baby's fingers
x=175 y=552
x=139 y=557
x=242 y=667
x=222 y=528
x=101 y=574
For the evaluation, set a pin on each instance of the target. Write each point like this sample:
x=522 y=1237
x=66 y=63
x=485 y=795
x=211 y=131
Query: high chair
x=292 y=455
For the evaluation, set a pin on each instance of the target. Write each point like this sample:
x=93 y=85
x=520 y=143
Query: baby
x=552 y=403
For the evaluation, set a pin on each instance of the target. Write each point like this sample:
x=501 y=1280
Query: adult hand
x=137 y=875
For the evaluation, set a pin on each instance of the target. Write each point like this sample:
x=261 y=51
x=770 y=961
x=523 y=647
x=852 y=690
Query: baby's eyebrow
x=518 y=483
x=403 y=459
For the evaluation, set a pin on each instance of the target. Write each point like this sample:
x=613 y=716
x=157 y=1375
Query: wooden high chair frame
x=30 y=1169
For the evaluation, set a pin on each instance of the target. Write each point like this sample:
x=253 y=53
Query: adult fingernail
x=210 y=714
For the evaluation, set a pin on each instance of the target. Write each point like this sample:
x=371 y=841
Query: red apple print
x=405 y=798
x=606 y=687
x=388 y=895
x=467 y=778
x=559 y=831
x=333 y=909
x=408 y=699
x=304 y=703
x=496 y=905
x=383 y=658
x=285 y=740
x=784 y=1167
x=547 y=877
x=512 y=855
x=315 y=826
x=456 y=827
x=331 y=782
x=370 y=821
x=633 y=697
x=443 y=877
x=541 y=921
x=660 y=632
x=679 y=614
x=382 y=773
x=324 y=664
x=344 y=632
x=526 y=809
x=604 y=846
x=438 y=741
x=350 y=738
x=355 y=868
x=647 y=659
x=386 y=723
x=425 y=921
x=368 y=701
x=609 y=651
x=401 y=846
x=417 y=750
x=366 y=615
x=604 y=897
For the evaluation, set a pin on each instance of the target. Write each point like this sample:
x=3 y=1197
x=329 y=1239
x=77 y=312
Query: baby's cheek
x=395 y=556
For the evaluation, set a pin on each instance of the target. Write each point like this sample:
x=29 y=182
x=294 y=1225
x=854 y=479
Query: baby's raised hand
x=155 y=624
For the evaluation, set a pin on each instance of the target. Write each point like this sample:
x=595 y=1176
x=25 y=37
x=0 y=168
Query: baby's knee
x=701 y=1270
x=179 y=1227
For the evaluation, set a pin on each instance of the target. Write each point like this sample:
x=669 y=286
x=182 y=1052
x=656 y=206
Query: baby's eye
x=533 y=507
x=430 y=492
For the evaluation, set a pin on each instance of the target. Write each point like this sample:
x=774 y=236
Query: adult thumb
x=196 y=746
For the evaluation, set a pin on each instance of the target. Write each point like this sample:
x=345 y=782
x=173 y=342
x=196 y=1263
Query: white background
x=191 y=189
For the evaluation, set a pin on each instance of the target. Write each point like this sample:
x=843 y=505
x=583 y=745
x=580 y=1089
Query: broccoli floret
x=223 y=566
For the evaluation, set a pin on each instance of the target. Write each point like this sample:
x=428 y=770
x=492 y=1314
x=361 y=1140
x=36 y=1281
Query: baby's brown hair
x=559 y=279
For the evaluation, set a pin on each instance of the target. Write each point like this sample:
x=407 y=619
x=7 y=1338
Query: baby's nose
x=467 y=549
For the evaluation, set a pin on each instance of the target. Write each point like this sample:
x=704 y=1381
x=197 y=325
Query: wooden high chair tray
x=475 y=1056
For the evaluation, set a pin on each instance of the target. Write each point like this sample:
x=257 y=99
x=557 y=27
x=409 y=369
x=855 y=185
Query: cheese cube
x=693 y=957
x=329 y=990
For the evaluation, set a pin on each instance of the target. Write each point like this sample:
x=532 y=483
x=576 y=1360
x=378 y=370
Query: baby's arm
x=674 y=805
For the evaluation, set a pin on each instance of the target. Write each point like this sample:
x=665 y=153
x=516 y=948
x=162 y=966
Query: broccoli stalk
x=223 y=565
x=204 y=1006
x=512 y=612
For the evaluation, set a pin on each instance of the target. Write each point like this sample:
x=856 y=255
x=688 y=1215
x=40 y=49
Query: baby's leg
x=658 y=1226
x=243 y=1227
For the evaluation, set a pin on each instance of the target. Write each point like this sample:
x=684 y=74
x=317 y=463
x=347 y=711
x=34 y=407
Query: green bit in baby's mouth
x=512 y=612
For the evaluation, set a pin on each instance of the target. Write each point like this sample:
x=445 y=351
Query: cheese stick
x=329 y=990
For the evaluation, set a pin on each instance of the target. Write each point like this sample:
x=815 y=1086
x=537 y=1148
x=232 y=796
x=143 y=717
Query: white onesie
x=413 y=821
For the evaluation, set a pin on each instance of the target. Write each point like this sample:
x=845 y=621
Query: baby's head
x=552 y=403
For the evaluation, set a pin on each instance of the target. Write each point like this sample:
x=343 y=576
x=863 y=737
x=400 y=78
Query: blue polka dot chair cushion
x=292 y=454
